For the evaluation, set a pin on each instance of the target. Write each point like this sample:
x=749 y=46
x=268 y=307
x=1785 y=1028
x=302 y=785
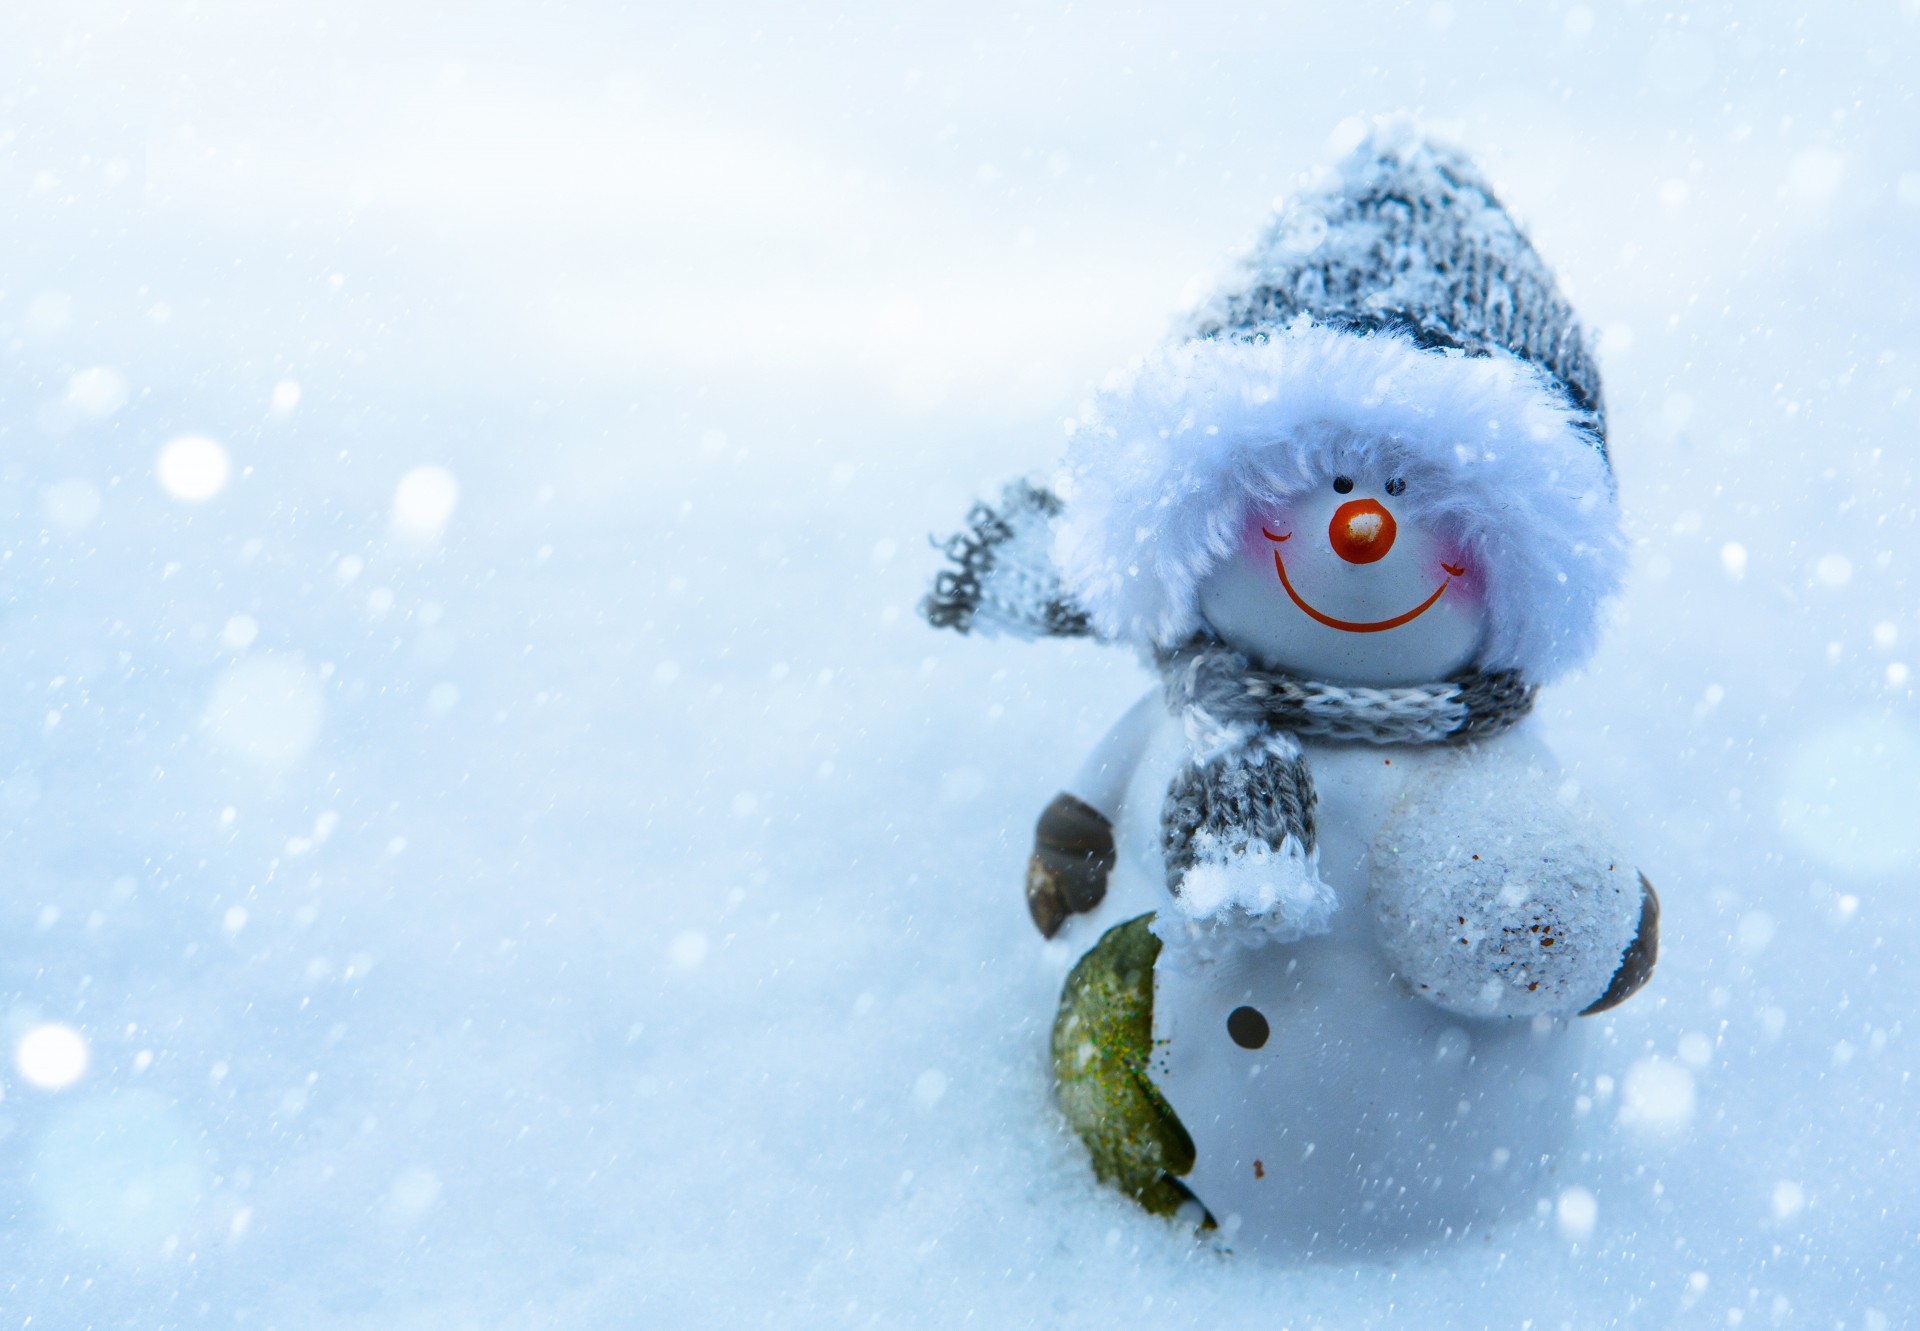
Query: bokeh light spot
x=424 y=501
x=52 y=1057
x=193 y=468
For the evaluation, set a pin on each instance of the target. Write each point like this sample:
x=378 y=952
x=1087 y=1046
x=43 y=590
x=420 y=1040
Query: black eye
x=1342 y=485
x=1247 y=1027
x=1396 y=486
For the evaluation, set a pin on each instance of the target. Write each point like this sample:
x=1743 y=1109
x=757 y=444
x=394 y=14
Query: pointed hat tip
x=1399 y=137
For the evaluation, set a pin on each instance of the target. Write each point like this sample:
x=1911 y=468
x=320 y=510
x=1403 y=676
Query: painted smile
x=1354 y=626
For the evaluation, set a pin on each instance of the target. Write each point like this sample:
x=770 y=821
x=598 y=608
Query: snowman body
x=1366 y=1118
x=1342 y=1097
x=1338 y=913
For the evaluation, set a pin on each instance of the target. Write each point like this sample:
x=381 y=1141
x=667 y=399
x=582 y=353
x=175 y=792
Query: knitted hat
x=1395 y=323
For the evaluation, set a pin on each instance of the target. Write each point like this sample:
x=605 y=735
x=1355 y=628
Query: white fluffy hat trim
x=1163 y=473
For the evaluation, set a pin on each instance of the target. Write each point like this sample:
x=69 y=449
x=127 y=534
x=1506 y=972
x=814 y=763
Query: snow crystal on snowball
x=1499 y=894
x=1244 y=893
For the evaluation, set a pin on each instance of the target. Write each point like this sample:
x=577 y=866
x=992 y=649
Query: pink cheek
x=1467 y=584
x=1255 y=541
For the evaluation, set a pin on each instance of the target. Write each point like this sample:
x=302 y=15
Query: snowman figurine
x=1338 y=913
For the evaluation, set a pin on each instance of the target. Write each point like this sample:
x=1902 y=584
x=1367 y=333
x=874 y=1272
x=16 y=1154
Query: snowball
x=52 y=1057
x=285 y=397
x=193 y=468
x=1498 y=895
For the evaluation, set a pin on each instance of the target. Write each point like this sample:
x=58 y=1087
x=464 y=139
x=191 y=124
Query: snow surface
x=507 y=850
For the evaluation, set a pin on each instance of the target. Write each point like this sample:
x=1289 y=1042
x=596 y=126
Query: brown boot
x=1072 y=856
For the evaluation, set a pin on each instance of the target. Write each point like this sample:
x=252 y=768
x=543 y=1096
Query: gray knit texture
x=1410 y=238
x=1247 y=777
x=1224 y=684
x=1254 y=785
x=1003 y=579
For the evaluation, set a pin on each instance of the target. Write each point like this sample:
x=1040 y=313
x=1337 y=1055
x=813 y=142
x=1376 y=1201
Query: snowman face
x=1342 y=584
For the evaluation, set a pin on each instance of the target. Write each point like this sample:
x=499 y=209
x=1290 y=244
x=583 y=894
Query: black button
x=1247 y=1027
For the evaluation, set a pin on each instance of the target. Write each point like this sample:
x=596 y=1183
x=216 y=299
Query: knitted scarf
x=1237 y=823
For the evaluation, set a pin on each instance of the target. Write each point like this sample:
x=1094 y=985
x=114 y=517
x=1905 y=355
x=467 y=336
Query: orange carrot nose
x=1361 y=531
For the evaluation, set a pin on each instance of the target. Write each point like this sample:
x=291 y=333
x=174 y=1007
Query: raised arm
x=1073 y=850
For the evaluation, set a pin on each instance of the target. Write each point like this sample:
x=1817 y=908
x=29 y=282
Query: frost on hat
x=1412 y=239
x=1396 y=321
